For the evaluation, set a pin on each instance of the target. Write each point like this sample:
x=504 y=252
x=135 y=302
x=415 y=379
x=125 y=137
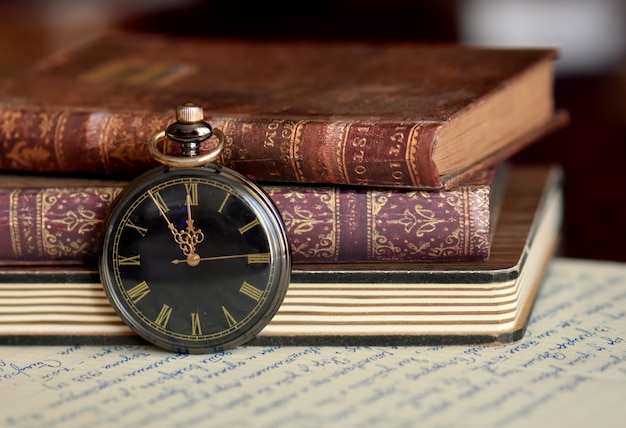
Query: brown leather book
x=58 y=220
x=486 y=301
x=390 y=114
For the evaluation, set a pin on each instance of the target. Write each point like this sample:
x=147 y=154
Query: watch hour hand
x=193 y=236
x=186 y=239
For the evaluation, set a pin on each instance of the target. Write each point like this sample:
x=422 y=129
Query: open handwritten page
x=569 y=371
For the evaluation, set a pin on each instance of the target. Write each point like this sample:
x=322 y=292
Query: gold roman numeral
x=229 y=318
x=159 y=202
x=128 y=261
x=223 y=203
x=196 y=328
x=139 y=291
x=258 y=258
x=164 y=316
x=192 y=193
x=142 y=230
x=247 y=227
x=251 y=291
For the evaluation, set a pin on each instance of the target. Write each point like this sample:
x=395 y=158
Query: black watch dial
x=196 y=259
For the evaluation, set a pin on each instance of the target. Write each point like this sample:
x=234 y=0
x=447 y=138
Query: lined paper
x=568 y=370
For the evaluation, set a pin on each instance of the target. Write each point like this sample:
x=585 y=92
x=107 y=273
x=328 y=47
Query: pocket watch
x=195 y=257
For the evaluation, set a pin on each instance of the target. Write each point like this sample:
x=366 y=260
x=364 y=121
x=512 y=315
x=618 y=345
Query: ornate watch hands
x=186 y=239
x=252 y=258
x=189 y=238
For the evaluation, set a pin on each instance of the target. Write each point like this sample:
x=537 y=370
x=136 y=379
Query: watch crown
x=189 y=113
x=190 y=129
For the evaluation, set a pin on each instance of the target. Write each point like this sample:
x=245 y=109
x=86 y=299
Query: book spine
x=52 y=225
x=324 y=224
x=74 y=141
x=303 y=151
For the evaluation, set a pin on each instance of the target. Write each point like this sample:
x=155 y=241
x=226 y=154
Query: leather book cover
x=433 y=303
x=424 y=116
x=46 y=220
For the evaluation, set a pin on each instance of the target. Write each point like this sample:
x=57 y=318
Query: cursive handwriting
x=569 y=367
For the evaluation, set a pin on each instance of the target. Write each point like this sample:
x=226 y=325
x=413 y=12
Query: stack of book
x=387 y=163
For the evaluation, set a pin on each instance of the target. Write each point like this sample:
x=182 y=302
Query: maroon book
x=59 y=220
x=342 y=304
x=393 y=114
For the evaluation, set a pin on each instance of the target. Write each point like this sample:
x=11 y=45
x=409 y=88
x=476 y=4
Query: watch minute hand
x=158 y=205
x=186 y=240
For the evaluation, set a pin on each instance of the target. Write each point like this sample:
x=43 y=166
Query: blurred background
x=590 y=79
